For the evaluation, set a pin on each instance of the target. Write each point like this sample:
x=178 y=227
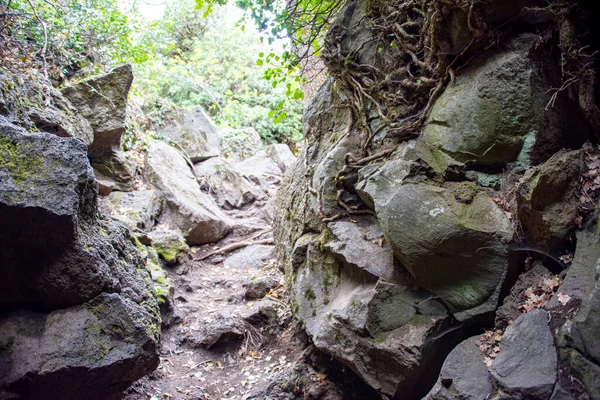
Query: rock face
x=396 y=241
x=496 y=112
x=95 y=350
x=194 y=131
x=187 y=208
x=547 y=199
x=79 y=315
x=464 y=374
x=47 y=186
x=459 y=253
x=114 y=166
x=102 y=101
x=33 y=103
x=526 y=365
x=577 y=337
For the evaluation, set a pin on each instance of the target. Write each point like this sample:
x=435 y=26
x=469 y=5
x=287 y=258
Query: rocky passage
x=437 y=237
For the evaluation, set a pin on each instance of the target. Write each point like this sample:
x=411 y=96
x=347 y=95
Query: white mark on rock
x=436 y=211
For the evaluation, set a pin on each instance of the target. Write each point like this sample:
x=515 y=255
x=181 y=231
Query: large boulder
x=547 y=200
x=186 y=207
x=464 y=374
x=94 y=351
x=526 y=367
x=48 y=192
x=575 y=310
x=261 y=170
x=79 y=314
x=221 y=179
x=384 y=331
x=137 y=210
x=102 y=100
x=394 y=246
x=194 y=132
x=30 y=101
x=459 y=252
x=496 y=111
x=355 y=300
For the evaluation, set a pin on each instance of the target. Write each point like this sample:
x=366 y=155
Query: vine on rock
x=393 y=76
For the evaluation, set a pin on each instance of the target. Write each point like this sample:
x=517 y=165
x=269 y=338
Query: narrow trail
x=226 y=339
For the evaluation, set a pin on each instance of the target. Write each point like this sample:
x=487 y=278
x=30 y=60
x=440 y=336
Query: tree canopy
x=242 y=70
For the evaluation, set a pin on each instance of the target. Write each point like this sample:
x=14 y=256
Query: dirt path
x=223 y=345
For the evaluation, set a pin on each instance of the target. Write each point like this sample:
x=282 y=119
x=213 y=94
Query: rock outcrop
x=102 y=100
x=400 y=232
x=194 y=132
x=78 y=311
x=31 y=102
x=187 y=208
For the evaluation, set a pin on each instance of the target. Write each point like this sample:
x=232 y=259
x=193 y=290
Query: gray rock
x=194 y=131
x=224 y=182
x=584 y=337
x=48 y=193
x=93 y=351
x=250 y=257
x=44 y=174
x=526 y=367
x=105 y=184
x=381 y=330
x=258 y=287
x=216 y=328
x=586 y=371
x=495 y=112
x=372 y=326
x=547 y=200
x=186 y=206
x=96 y=324
x=117 y=168
x=169 y=245
x=102 y=101
x=459 y=250
x=261 y=170
x=240 y=144
x=265 y=311
x=580 y=279
x=281 y=154
x=560 y=393
x=361 y=243
x=138 y=209
x=464 y=375
x=30 y=101
x=577 y=336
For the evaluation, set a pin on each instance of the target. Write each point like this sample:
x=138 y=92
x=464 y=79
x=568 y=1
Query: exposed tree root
x=237 y=245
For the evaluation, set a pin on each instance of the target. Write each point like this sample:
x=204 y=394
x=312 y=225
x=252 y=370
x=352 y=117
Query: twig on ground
x=234 y=246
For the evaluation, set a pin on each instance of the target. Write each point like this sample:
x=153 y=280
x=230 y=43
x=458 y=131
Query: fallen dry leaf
x=563 y=298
